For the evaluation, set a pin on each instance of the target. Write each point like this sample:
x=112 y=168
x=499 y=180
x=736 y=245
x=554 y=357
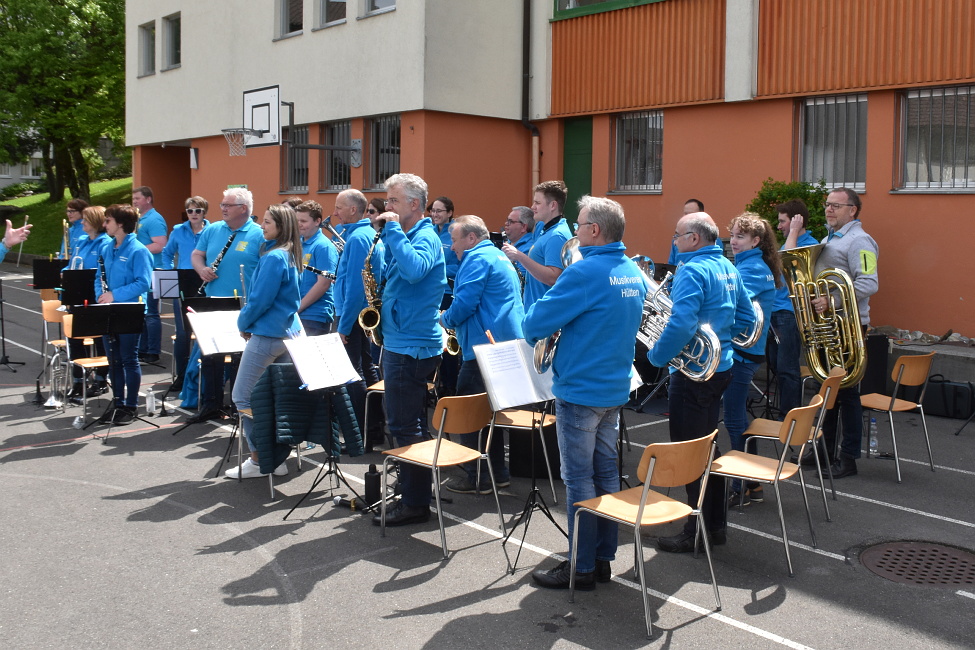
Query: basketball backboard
x=262 y=112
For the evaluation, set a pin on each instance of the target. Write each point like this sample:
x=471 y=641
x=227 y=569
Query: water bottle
x=873 y=435
x=150 y=402
x=373 y=481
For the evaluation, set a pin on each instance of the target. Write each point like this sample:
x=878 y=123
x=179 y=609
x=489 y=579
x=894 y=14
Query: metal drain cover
x=921 y=563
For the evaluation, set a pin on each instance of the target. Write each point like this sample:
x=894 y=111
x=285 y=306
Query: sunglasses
x=372 y=211
x=195 y=211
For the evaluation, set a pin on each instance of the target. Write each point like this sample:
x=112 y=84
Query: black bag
x=951 y=399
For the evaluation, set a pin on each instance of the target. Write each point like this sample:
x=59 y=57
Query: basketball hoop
x=237 y=140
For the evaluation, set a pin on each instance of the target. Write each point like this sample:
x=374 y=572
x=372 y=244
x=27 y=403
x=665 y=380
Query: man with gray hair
x=415 y=280
x=519 y=228
x=235 y=241
x=487 y=296
x=597 y=303
x=706 y=290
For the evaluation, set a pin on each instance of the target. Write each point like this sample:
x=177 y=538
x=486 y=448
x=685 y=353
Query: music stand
x=110 y=320
x=4 y=359
x=47 y=273
x=78 y=287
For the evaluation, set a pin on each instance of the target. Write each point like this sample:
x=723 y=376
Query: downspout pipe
x=526 y=51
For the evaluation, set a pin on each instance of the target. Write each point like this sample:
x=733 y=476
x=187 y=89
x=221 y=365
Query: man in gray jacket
x=852 y=250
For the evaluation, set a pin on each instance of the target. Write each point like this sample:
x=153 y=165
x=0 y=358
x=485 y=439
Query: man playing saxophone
x=852 y=250
x=706 y=290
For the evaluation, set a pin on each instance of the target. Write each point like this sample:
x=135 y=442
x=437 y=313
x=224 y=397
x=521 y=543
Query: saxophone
x=370 y=316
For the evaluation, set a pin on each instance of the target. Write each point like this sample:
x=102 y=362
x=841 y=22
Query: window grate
x=295 y=161
x=384 y=149
x=938 y=138
x=639 y=151
x=834 y=141
x=336 y=166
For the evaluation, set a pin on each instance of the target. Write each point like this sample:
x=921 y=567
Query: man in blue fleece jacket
x=597 y=303
x=416 y=278
x=706 y=290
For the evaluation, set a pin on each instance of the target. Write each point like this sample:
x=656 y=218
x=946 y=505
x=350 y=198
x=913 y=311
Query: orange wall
x=167 y=172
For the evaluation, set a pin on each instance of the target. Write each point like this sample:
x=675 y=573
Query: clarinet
x=104 y=278
x=324 y=274
x=216 y=262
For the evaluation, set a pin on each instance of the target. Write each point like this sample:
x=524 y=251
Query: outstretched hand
x=14 y=236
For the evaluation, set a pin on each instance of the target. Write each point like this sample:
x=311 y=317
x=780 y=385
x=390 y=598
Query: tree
x=775 y=192
x=62 y=78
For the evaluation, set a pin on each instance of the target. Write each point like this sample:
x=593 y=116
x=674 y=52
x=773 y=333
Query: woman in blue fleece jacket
x=270 y=316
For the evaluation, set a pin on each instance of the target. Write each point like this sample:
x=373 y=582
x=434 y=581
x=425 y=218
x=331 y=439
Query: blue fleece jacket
x=320 y=253
x=449 y=256
x=181 y=244
x=486 y=297
x=272 y=297
x=546 y=250
x=706 y=290
x=597 y=303
x=760 y=285
x=90 y=249
x=349 y=295
x=782 y=300
x=128 y=268
x=245 y=250
x=415 y=282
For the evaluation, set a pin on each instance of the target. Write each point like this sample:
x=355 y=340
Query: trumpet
x=336 y=237
x=66 y=240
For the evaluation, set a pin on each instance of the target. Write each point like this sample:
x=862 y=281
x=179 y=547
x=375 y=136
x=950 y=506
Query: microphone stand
x=4 y=359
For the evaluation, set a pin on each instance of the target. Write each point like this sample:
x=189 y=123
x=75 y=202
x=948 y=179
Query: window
x=383 y=149
x=332 y=11
x=5 y=169
x=33 y=168
x=336 y=166
x=379 y=5
x=572 y=8
x=289 y=17
x=938 y=138
x=294 y=161
x=171 y=42
x=639 y=151
x=834 y=141
x=147 y=49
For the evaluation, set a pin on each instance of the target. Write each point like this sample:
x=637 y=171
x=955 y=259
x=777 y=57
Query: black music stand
x=4 y=359
x=78 y=287
x=109 y=320
x=47 y=273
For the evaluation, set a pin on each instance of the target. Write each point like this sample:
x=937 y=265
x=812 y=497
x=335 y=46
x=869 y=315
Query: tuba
x=700 y=357
x=545 y=348
x=369 y=317
x=833 y=338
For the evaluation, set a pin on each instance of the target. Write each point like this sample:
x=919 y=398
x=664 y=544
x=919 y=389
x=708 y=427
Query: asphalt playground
x=130 y=542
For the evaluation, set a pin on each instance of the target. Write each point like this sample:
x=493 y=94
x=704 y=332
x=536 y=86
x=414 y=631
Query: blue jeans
x=259 y=353
x=181 y=346
x=735 y=403
x=849 y=408
x=587 y=446
x=315 y=328
x=406 y=411
x=152 y=330
x=124 y=368
x=694 y=409
x=470 y=382
x=358 y=347
x=788 y=357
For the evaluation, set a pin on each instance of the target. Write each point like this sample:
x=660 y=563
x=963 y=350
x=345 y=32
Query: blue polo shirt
x=152 y=224
x=246 y=248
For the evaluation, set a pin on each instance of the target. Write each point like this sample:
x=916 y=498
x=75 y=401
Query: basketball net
x=237 y=140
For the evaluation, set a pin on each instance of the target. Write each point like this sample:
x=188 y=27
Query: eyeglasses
x=836 y=206
x=435 y=211
x=392 y=201
x=678 y=235
x=372 y=211
x=509 y=222
x=196 y=211
x=580 y=224
x=69 y=211
x=227 y=206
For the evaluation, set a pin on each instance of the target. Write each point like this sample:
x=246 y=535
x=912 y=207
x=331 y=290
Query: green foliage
x=21 y=189
x=775 y=192
x=93 y=161
x=45 y=236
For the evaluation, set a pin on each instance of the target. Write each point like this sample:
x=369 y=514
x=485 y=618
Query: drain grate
x=921 y=563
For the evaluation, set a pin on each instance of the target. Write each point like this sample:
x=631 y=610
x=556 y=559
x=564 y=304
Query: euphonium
x=370 y=316
x=545 y=348
x=700 y=357
x=833 y=338
x=750 y=336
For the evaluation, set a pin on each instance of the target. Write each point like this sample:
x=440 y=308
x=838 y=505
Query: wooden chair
x=530 y=421
x=762 y=429
x=664 y=465
x=794 y=430
x=909 y=370
x=55 y=359
x=87 y=364
x=379 y=388
x=462 y=414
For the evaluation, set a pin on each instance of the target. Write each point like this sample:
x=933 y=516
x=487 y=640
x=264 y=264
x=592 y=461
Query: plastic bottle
x=150 y=402
x=373 y=481
x=873 y=435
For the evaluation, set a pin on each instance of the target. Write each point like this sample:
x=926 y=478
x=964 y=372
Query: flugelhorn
x=545 y=348
x=834 y=337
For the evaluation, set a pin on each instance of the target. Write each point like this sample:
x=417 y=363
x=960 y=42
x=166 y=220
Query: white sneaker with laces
x=248 y=469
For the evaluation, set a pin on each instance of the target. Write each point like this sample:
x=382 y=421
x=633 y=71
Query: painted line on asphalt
x=966 y=594
x=645 y=424
x=777 y=538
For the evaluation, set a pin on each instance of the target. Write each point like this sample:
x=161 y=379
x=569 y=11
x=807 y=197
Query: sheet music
x=165 y=283
x=321 y=361
x=216 y=332
x=509 y=374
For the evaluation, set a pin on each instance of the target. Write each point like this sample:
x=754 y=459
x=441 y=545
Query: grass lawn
x=45 y=236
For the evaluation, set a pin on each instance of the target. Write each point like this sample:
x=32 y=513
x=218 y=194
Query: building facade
x=650 y=102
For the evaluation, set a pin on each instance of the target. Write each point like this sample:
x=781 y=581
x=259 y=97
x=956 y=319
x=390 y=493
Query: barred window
x=834 y=140
x=938 y=138
x=336 y=166
x=639 y=151
x=294 y=161
x=383 y=149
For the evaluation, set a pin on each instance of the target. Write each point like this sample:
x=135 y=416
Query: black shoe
x=403 y=515
x=101 y=387
x=684 y=542
x=842 y=468
x=124 y=415
x=737 y=499
x=77 y=390
x=558 y=578
x=149 y=358
x=808 y=460
x=604 y=571
x=204 y=415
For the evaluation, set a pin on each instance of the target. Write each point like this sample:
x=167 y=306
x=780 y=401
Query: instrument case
x=951 y=399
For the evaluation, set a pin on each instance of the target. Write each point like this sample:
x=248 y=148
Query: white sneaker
x=248 y=469
x=281 y=470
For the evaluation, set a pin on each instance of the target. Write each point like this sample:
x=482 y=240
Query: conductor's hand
x=14 y=236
